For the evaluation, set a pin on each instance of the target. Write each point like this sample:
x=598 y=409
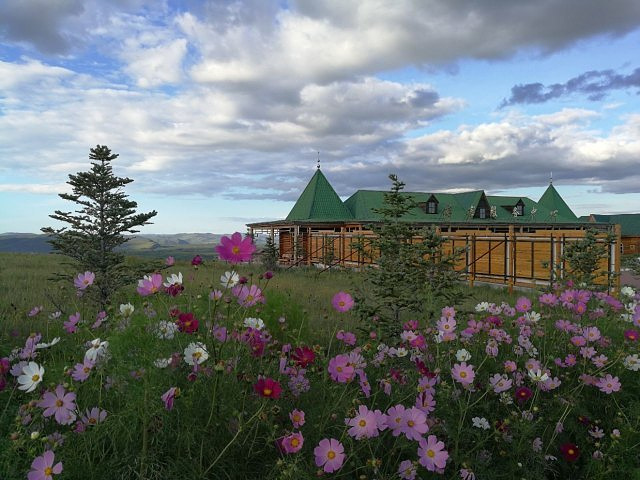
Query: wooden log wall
x=512 y=258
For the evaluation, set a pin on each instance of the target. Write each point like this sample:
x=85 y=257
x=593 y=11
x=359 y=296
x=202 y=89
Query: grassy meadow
x=503 y=386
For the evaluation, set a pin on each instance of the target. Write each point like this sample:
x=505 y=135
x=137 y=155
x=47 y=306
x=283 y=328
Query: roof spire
x=550 y=178
x=318 y=160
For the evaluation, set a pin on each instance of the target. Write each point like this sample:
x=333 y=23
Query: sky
x=218 y=109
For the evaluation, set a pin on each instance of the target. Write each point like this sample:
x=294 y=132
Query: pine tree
x=98 y=226
x=413 y=274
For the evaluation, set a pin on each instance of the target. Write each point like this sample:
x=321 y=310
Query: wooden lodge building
x=629 y=229
x=509 y=240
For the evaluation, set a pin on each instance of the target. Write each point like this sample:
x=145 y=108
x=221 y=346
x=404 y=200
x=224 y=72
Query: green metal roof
x=552 y=200
x=629 y=222
x=319 y=201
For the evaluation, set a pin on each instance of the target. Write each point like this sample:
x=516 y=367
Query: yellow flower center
x=431 y=453
x=267 y=392
x=93 y=421
x=362 y=423
x=35 y=378
x=296 y=418
x=249 y=298
x=571 y=451
x=341 y=303
x=86 y=369
x=463 y=374
x=295 y=442
x=197 y=355
x=331 y=454
x=235 y=250
x=48 y=471
x=59 y=403
x=411 y=423
x=339 y=369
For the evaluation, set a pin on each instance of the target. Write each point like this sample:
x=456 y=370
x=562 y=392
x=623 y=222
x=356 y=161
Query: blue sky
x=217 y=109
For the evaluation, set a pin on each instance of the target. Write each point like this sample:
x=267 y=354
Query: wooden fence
x=513 y=257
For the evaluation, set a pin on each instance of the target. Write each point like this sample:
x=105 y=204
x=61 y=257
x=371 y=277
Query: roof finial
x=318 y=160
x=551 y=178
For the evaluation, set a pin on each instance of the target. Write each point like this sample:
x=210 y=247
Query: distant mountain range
x=179 y=245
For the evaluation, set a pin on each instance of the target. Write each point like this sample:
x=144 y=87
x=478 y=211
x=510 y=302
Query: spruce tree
x=95 y=230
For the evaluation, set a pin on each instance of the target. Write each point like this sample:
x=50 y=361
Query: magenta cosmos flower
x=268 y=388
x=291 y=443
x=431 y=453
x=463 y=373
x=42 y=467
x=342 y=302
x=187 y=323
x=303 y=356
x=60 y=404
x=236 y=249
x=83 y=280
x=329 y=454
x=364 y=424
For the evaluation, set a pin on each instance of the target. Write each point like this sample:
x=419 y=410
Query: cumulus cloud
x=593 y=84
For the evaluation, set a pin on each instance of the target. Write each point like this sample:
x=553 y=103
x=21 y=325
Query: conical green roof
x=552 y=200
x=319 y=201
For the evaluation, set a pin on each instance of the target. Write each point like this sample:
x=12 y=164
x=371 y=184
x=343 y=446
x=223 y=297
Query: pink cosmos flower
x=236 y=249
x=500 y=383
x=448 y=312
x=548 y=299
x=578 y=340
x=342 y=302
x=303 y=356
x=81 y=371
x=347 y=337
x=446 y=324
x=523 y=304
x=150 y=284
x=463 y=373
x=100 y=318
x=425 y=402
x=291 y=443
x=248 y=296
x=631 y=335
x=197 y=260
x=170 y=261
x=591 y=334
x=363 y=425
x=42 y=467
x=432 y=454
x=60 y=404
x=414 y=423
x=407 y=470
x=35 y=311
x=94 y=416
x=329 y=454
x=340 y=369
x=83 y=280
x=608 y=384
x=169 y=396
x=268 y=388
x=297 y=418
x=71 y=325
x=393 y=419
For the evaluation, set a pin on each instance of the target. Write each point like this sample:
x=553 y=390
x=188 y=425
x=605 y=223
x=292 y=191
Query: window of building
x=482 y=212
x=432 y=207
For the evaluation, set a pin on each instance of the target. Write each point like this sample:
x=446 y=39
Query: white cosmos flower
x=195 y=353
x=256 y=323
x=31 y=377
x=632 y=362
x=482 y=307
x=481 y=422
x=173 y=280
x=628 y=291
x=533 y=317
x=398 y=352
x=96 y=349
x=126 y=309
x=229 y=279
x=166 y=330
x=47 y=345
x=162 y=362
x=538 y=376
x=463 y=355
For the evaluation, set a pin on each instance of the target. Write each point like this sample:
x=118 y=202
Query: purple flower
x=60 y=404
x=42 y=467
x=83 y=280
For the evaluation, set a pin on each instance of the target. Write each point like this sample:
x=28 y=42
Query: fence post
x=512 y=260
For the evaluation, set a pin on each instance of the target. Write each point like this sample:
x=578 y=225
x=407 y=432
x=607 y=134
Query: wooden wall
x=513 y=258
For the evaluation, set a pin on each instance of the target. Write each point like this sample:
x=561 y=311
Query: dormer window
x=482 y=212
x=432 y=207
x=520 y=208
